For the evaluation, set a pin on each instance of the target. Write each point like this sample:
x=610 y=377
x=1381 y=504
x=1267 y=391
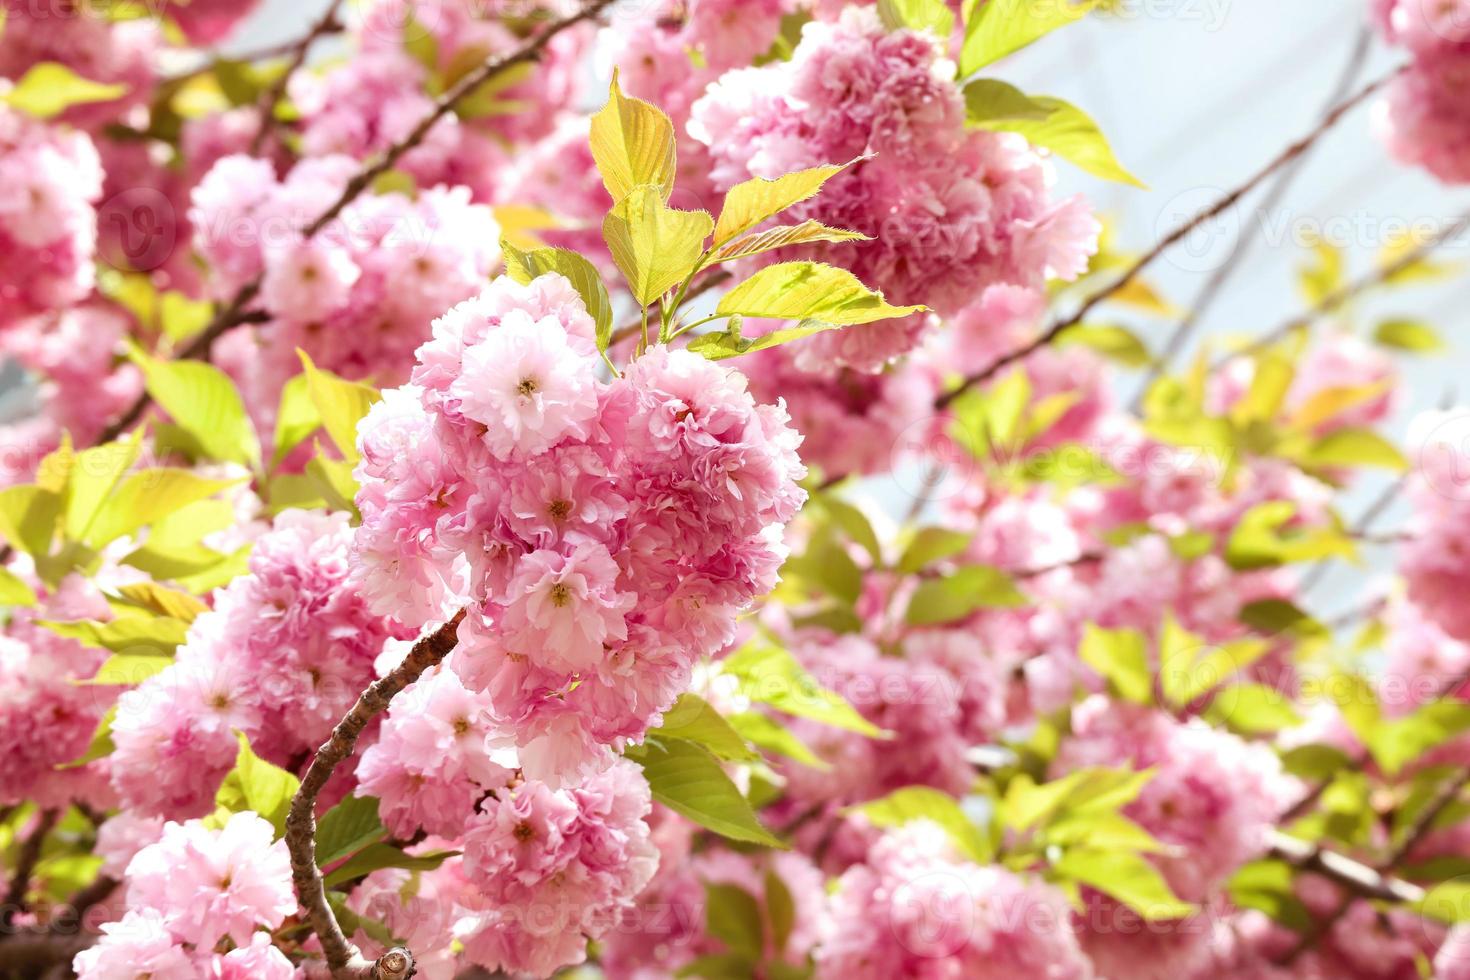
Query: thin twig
x=326 y=25
x=1168 y=241
x=343 y=958
x=1362 y=879
x=26 y=858
x=715 y=278
x=1222 y=275
x=1345 y=294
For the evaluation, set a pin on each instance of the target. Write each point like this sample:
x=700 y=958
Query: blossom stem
x=1282 y=160
x=343 y=958
x=25 y=863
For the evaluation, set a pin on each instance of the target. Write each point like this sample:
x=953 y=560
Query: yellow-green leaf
x=809 y=291
x=13 y=591
x=1001 y=27
x=990 y=99
x=957 y=595
x=255 y=784
x=729 y=342
x=94 y=476
x=524 y=266
x=1126 y=876
x=784 y=237
x=204 y=403
x=1408 y=335
x=1120 y=657
x=918 y=15
x=146 y=497
x=49 y=89
x=633 y=144
x=694 y=720
x=340 y=403
x=654 y=245
x=296 y=418
x=29 y=515
x=1071 y=134
x=772 y=676
x=925 y=803
x=754 y=201
x=687 y=779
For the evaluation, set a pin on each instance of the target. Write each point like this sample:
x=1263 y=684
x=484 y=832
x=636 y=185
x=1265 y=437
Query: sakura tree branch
x=344 y=961
x=1279 y=189
x=25 y=863
x=328 y=24
x=1345 y=294
x=1358 y=877
x=237 y=311
x=1284 y=159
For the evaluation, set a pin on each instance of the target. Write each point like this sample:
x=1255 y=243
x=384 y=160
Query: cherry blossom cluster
x=281 y=656
x=1423 y=117
x=603 y=535
x=359 y=295
x=52 y=179
x=192 y=889
x=950 y=212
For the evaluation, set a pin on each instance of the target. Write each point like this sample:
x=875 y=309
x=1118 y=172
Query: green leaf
x=809 y=290
x=204 y=403
x=1396 y=743
x=1278 y=617
x=925 y=803
x=420 y=43
x=655 y=246
x=932 y=544
x=1354 y=447
x=633 y=145
x=149 y=496
x=1447 y=902
x=129 y=669
x=1127 y=877
x=340 y=403
x=296 y=418
x=917 y=15
x=771 y=675
x=1254 y=709
x=957 y=595
x=255 y=784
x=1001 y=27
x=1121 y=657
x=757 y=200
x=333 y=479
x=1270 y=887
x=767 y=733
x=94 y=476
x=135 y=635
x=780 y=909
x=182 y=317
x=1262 y=539
x=785 y=236
x=101 y=744
x=29 y=515
x=693 y=720
x=855 y=524
x=347 y=828
x=990 y=100
x=524 y=266
x=376 y=857
x=687 y=779
x=729 y=343
x=1408 y=335
x=1070 y=133
x=49 y=89
x=13 y=591
x=1117 y=343
x=733 y=916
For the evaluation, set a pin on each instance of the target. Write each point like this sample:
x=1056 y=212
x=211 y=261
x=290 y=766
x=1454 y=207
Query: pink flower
x=563 y=608
x=139 y=944
x=308 y=280
x=527 y=385
x=259 y=960
x=212 y=883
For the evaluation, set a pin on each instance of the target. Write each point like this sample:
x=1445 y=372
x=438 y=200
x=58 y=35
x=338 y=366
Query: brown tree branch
x=344 y=960
x=326 y=25
x=1212 y=289
x=1168 y=241
x=28 y=854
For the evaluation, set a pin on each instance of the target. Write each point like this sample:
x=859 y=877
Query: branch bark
x=25 y=862
x=1285 y=158
x=328 y=24
x=344 y=960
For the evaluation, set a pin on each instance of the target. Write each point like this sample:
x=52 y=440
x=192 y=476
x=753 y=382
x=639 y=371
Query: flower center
x=524 y=831
x=559 y=509
x=560 y=595
x=528 y=387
